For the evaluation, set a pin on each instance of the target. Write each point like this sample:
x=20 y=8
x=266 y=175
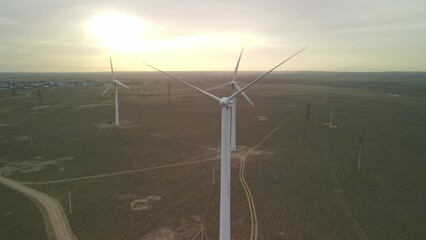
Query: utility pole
x=308 y=111
x=201 y=233
x=69 y=200
x=315 y=117
x=168 y=92
x=213 y=176
x=359 y=153
x=39 y=97
x=12 y=86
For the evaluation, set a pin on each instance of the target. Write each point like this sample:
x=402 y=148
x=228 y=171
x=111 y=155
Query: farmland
x=303 y=177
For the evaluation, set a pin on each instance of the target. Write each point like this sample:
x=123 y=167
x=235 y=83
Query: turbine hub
x=224 y=102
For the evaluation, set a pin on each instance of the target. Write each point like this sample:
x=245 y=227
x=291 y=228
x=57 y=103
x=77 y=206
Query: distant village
x=23 y=85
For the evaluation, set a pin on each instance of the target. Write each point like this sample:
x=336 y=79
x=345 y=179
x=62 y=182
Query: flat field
x=303 y=177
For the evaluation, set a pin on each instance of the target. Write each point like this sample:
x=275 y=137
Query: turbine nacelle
x=224 y=102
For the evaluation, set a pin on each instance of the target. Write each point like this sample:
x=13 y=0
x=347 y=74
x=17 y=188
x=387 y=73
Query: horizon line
x=225 y=71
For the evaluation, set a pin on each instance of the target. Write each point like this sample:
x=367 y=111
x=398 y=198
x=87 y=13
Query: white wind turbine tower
x=233 y=103
x=225 y=156
x=331 y=117
x=261 y=117
x=115 y=82
x=330 y=123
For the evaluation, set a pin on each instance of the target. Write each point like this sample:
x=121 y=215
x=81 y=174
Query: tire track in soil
x=250 y=200
x=121 y=172
x=407 y=217
x=345 y=210
x=253 y=217
x=172 y=139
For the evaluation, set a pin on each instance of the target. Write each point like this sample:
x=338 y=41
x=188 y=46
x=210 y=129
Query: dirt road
x=57 y=226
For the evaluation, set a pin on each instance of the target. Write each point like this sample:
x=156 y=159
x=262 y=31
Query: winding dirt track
x=346 y=211
x=250 y=200
x=57 y=226
x=252 y=208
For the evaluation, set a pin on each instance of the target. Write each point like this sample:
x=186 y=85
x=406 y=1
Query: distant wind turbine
x=225 y=158
x=115 y=82
x=330 y=123
x=261 y=117
x=331 y=117
x=233 y=103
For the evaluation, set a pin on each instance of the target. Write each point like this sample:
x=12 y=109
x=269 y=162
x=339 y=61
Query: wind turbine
x=331 y=117
x=225 y=154
x=115 y=82
x=233 y=103
x=261 y=117
x=330 y=123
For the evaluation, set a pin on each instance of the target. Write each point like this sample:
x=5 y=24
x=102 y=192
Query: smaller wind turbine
x=233 y=103
x=261 y=117
x=115 y=82
x=330 y=124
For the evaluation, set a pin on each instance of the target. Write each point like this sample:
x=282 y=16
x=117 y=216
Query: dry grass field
x=303 y=177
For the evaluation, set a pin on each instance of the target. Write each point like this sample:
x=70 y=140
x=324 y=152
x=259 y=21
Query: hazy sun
x=117 y=31
x=131 y=38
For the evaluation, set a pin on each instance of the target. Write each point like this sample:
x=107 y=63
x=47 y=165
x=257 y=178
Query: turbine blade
x=106 y=89
x=188 y=84
x=244 y=94
x=257 y=79
x=112 y=68
x=236 y=67
x=121 y=84
x=219 y=86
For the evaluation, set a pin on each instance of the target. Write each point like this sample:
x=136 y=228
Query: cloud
x=36 y=34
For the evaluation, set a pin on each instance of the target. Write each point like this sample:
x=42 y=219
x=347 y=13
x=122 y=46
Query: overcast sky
x=59 y=35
